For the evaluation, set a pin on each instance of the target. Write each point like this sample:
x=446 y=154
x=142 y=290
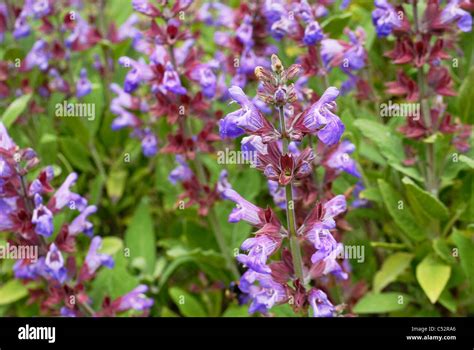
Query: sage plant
x=308 y=250
x=31 y=209
x=423 y=45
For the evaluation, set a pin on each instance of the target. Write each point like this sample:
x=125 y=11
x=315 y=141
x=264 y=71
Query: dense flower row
x=313 y=251
x=25 y=212
x=424 y=44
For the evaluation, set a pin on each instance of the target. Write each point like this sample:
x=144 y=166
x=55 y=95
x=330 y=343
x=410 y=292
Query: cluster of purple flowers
x=61 y=33
x=173 y=60
x=26 y=213
x=286 y=165
x=422 y=46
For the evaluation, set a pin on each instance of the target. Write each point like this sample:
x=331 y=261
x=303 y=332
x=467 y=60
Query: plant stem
x=431 y=181
x=290 y=210
x=100 y=168
x=106 y=52
x=87 y=308
x=453 y=220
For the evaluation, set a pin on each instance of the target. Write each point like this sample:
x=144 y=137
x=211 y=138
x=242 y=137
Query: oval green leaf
x=432 y=275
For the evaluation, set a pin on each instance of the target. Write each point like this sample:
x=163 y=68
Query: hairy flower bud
x=277 y=66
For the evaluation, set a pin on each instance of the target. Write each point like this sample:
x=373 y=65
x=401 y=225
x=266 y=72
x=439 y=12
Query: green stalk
x=290 y=210
x=431 y=180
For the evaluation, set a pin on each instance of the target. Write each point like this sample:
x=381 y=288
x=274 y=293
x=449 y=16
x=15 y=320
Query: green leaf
x=447 y=300
x=171 y=268
x=111 y=245
x=425 y=201
x=392 y=267
x=466 y=254
x=283 y=310
x=248 y=184
x=15 y=109
x=12 y=291
x=465 y=100
x=335 y=25
x=113 y=282
x=387 y=142
x=408 y=171
x=375 y=303
x=13 y=54
x=463 y=158
x=236 y=311
x=140 y=236
x=371 y=194
x=432 y=275
x=442 y=249
x=115 y=184
x=186 y=303
x=76 y=153
x=95 y=98
x=400 y=212
x=48 y=148
x=165 y=312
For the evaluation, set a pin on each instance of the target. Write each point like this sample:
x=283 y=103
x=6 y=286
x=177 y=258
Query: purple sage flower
x=248 y=117
x=149 y=143
x=265 y=295
x=83 y=86
x=312 y=33
x=321 y=121
x=171 y=81
x=21 y=27
x=94 y=259
x=38 y=56
x=136 y=300
x=259 y=249
x=138 y=73
x=67 y=312
x=80 y=223
x=453 y=13
x=245 y=31
x=320 y=304
x=204 y=75
x=28 y=270
x=39 y=8
x=223 y=183
x=57 y=83
x=244 y=210
x=144 y=7
x=7 y=207
x=215 y=14
x=341 y=161
x=251 y=147
x=42 y=218
x=278 y=193
x=385 y=18
x=64 y=196
x=181 y=173
x=54 y=264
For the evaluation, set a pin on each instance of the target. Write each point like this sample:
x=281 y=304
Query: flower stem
x=100 y=167
x=87 y=308
x=290 y=210
x=431 y=181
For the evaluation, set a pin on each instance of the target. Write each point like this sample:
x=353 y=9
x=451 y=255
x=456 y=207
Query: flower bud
x=280 y=96
x=277 y=66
